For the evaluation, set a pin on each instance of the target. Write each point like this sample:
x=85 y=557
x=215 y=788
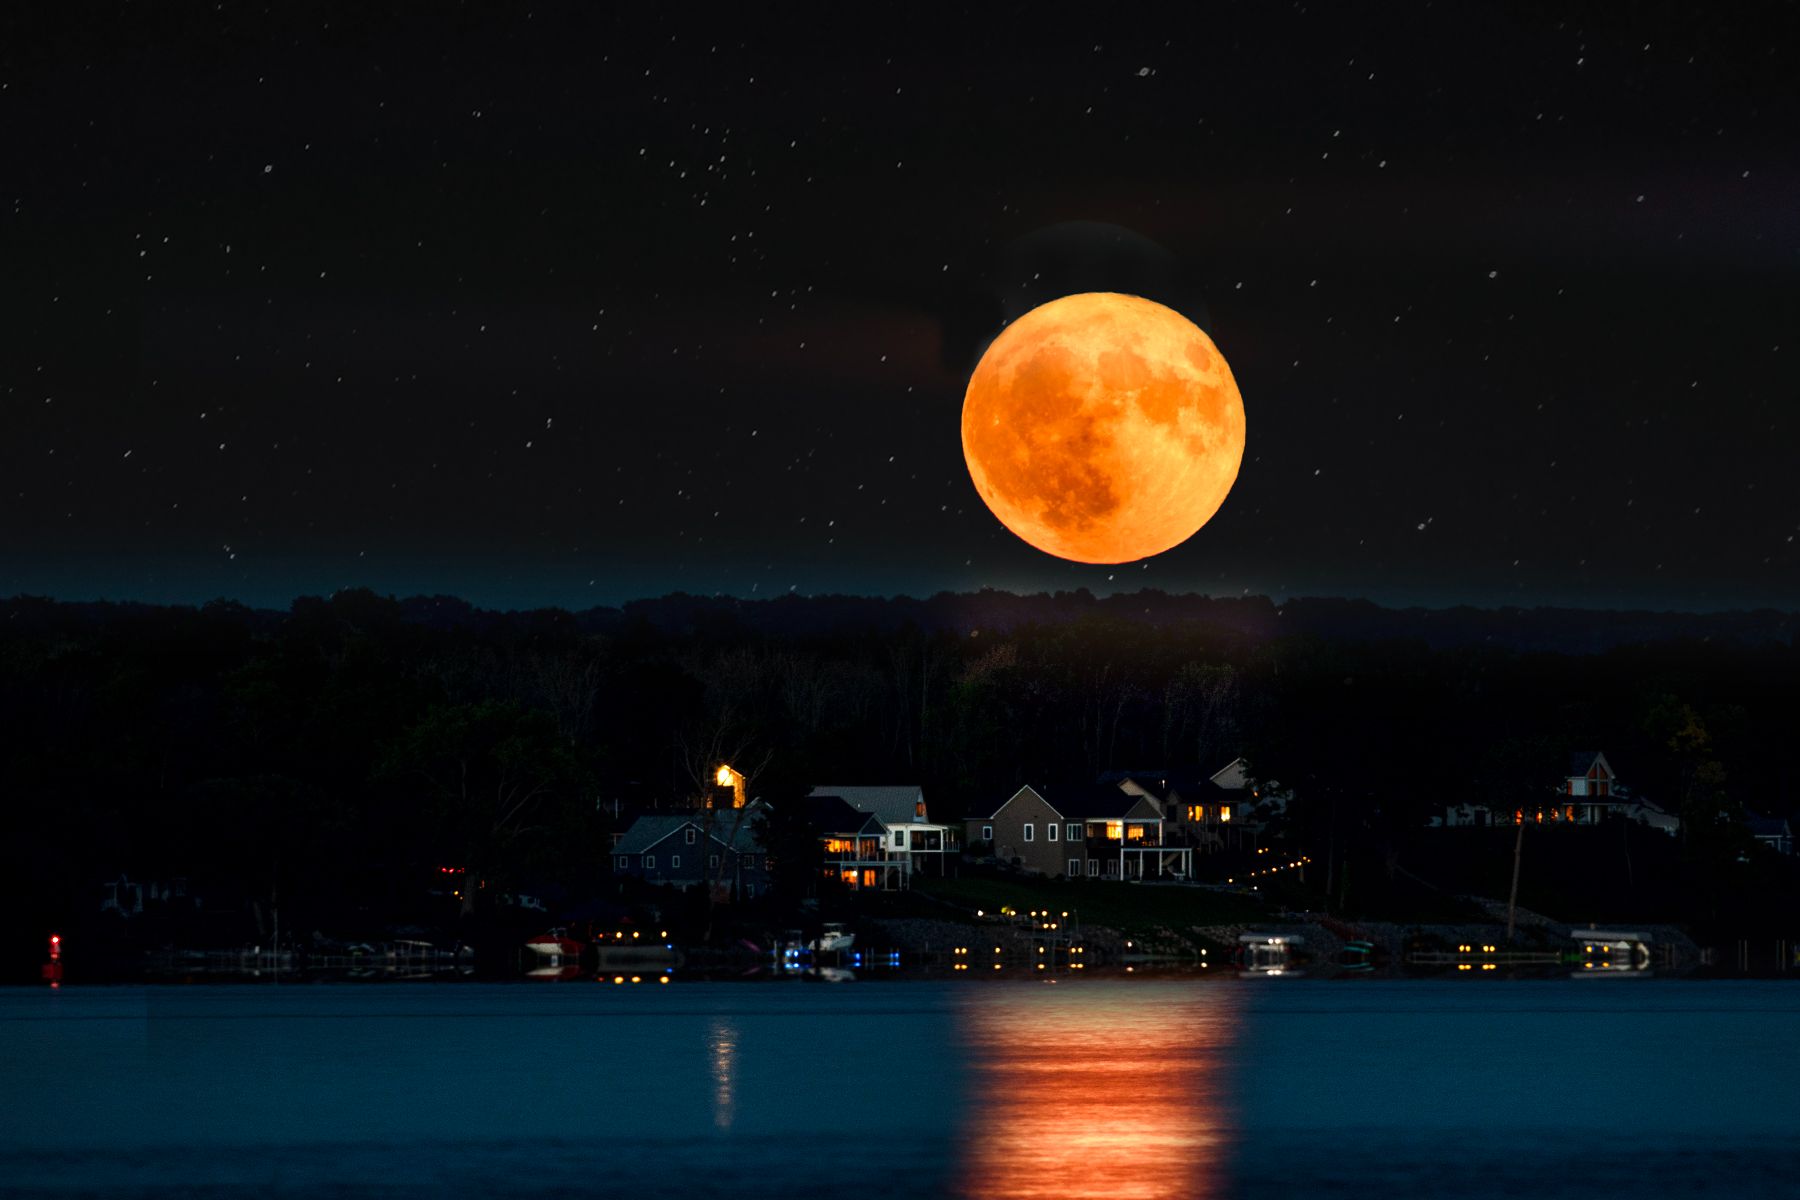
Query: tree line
x=336 y=755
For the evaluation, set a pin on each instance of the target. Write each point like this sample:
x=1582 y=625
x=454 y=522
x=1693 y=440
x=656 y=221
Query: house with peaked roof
x=1082 y=831
x=855 y=845
x=689 y=849
x=1209 y=813
x=928 y=849
x=1590 y=793
x=1777 y=833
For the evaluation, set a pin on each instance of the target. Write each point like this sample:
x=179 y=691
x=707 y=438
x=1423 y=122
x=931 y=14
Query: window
x=1029 y=830
x=1225 y=812
x=649 y=862
x=1074 y=834
x=1074 y=867
x=899 y=837
x=691 y=835
x=1196 y=813
x=624 y=862
x=987 y=833
x=674 y=862
x=712 y=860
x=1050 y=831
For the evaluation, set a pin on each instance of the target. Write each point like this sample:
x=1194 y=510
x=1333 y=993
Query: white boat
x=832 y=938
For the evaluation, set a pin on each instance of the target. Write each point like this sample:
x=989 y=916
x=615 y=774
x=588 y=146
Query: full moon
x=1103 y=428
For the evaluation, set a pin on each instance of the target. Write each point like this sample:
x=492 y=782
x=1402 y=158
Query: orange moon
x=1103 y=428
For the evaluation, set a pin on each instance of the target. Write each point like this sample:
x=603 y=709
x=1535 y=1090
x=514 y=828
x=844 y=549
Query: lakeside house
x=912 y=839
x=687 y=849
x=855 y=846
x=1777 y=833
x=1590 y=794
x=1210 y=813
x=1083 y=831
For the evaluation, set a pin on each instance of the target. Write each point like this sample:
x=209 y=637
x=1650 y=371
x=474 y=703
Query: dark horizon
x=621 y=601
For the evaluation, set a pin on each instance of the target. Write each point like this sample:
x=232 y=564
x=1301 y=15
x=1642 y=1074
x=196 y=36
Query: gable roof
x=1232 y=776
x=1767 y=826
x=1582 y=761
x=653 y=828
x=988 y=816
x=896 y=804
x=834 y=814
x=647 y=831
x=1102 y=802
x=1155 y=784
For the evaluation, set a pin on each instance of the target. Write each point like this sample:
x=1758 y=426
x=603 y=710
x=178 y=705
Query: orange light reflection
x=1103 y=1089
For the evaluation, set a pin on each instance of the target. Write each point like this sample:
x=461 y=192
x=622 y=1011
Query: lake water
x=977 y=1088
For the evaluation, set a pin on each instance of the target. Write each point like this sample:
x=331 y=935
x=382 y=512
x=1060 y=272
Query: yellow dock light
x=635 y=979
x=662 y=979
x=618 y=979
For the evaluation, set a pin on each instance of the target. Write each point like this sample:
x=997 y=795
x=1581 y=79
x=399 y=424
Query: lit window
x=1225 y=812
x=1050 y=831
x=1028 y=832
x=1115 y=830
x=1196 y=813
x=1134 y=833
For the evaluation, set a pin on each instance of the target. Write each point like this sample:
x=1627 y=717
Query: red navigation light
x=55 y=946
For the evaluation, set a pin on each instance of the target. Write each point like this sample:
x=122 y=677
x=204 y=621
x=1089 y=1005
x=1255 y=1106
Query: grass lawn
x=1130 y=907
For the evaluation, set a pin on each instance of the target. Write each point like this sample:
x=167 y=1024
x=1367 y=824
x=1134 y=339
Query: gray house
x=688 y=849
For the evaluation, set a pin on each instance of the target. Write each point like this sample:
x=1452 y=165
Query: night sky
x=552 y=306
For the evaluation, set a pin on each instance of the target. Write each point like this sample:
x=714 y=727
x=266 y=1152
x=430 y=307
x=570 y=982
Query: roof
x=1767 y=826
x=1232 y=776
x=1096 y=801
x=648 y=830
x=897 y=804
x=994 y=811
x=833 y=814
x=1582 y=761
x=1153 y=783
